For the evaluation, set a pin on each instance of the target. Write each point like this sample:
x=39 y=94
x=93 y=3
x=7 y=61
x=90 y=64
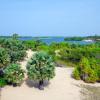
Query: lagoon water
x=49 y=40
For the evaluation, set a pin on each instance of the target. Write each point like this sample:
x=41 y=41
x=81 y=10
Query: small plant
x=14 y=74
x=40 y=68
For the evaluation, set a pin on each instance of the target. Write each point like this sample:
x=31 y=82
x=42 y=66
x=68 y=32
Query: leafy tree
x=14 y=74
x=41 y=67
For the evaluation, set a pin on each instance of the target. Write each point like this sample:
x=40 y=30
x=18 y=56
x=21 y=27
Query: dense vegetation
x=14 y=47
x=85 y=59
x=67 y=53
x=40 y=68
x=12 y=51
x=75 y=55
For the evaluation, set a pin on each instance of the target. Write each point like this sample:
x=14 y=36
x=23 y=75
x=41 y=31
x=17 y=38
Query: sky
x=50 y=17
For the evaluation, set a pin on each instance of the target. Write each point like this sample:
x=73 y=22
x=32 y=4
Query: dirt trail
x=29 y=55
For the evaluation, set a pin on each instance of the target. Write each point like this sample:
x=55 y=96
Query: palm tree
x=40 y=68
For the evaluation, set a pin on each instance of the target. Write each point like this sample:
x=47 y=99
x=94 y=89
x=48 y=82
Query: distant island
x=87 y=38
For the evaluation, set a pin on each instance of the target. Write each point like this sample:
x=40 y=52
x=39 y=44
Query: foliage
x=41 y=67
x=15 y=48
x=14 y=74
x=76 y=73
x=34 y=44
x=69 y=53
x=4 y=58
x=2 y=82
x=88 y=71
x=17 y=56
x=74 y=55
x=13 y=44
x=92 y=77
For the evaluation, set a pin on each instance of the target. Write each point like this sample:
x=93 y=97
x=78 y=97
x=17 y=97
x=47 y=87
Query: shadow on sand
x=35 y=84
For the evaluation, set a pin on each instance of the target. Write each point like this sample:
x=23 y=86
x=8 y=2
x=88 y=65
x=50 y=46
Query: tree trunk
x=41 y=85
x=84 y=76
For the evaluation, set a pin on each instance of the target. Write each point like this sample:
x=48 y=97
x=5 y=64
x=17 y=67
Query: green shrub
x=14 y=47
x=14 y=74
x=4 y=58
x=41 y=67
x=17 y=55
x=76 y=74
x=92 y=77
x=13 y=44
x=88 y=71
x=97 y=71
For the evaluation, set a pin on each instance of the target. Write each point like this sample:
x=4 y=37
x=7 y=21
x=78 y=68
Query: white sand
x=24 y=63
x=62 y=87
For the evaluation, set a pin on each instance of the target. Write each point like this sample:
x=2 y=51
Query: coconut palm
x=40 y=68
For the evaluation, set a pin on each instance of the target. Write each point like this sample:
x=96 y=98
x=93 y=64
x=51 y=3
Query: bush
x=92 y=77
x=4 y=58
x=14 y=74
x=17 y=55
x=98 y=73
x=13 y=44
x=76 y=74
x=88 y=71
x=14 y=47
x=41 y=67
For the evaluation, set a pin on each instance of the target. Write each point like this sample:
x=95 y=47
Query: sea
x=49 y=40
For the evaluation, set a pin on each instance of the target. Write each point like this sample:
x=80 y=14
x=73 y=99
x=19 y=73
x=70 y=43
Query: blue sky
x=50 y=17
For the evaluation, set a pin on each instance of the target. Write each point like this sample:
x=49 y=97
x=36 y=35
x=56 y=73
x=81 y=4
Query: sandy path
x=29 y=55
x=62 y=87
